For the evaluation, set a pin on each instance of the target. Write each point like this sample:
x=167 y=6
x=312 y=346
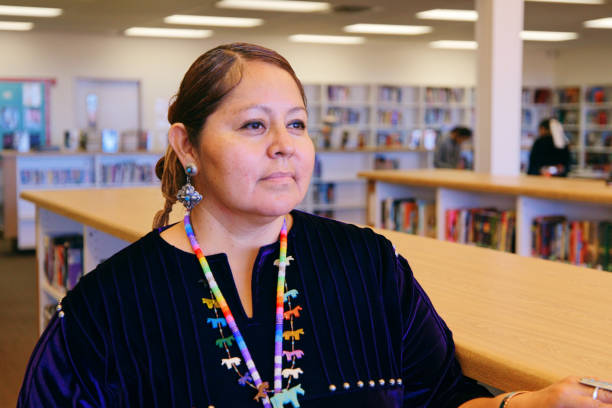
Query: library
x=441 y=177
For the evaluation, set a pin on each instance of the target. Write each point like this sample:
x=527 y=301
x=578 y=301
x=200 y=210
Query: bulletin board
x=24 y=109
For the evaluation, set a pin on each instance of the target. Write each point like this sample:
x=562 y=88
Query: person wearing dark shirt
x=248 y=302
x=448 y=150
x=549 y=154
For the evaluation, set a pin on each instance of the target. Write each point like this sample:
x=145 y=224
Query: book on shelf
x=579 y=242
x=390 y=94
x=127 y=172
x=63 y=264
x=382 y=162
x=485 y=227
x=323 y=193
x=567 y=95
x=410 y=215
x=390 y=138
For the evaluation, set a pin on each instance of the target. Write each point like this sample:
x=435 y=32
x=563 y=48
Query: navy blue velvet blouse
x=134 y=331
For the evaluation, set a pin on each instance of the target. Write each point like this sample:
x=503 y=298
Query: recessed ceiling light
x=448 y=14
x=455 y=45
x=30 y=11
x=276 y=5
x=326 y=39
x=167 y=32
x=599 y=23
x=15 y=25
x=570 y=1
x=213 y=21
x=387 y=29
x=547 y=36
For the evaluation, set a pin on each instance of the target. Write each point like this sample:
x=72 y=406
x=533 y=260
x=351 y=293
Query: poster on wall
x=24 y=113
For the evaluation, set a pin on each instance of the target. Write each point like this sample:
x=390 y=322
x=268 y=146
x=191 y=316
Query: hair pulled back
x=207 y=81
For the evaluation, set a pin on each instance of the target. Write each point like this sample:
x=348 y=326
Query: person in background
x=549 y=154
x=448 y=151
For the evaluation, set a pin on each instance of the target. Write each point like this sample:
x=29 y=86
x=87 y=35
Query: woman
x=550 y=155
x=218 y=311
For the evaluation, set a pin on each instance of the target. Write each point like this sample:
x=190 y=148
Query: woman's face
x=255 y=155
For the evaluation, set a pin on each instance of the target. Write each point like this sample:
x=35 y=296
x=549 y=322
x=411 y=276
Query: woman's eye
x=255 y=125
x=298 y=124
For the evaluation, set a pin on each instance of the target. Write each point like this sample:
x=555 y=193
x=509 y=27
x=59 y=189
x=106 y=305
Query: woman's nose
x=282 y=143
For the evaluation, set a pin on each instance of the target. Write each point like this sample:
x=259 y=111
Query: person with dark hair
x=448 y=151
x=248 y=302
x=549 y=154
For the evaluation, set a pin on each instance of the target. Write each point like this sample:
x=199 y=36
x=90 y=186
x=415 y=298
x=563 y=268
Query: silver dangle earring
x=187 y=195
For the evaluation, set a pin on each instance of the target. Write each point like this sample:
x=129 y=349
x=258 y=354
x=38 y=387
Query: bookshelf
x=357 y=127
x=528 y=197
x=62 y=171
x=586 y=114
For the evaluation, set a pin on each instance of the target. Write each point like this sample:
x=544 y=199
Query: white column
x=498 y=86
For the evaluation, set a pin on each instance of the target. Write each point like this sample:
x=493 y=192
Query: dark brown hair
x=208 y=80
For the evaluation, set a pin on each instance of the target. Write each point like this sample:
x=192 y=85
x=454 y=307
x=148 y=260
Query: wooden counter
x=594 y=191
x=518 y=323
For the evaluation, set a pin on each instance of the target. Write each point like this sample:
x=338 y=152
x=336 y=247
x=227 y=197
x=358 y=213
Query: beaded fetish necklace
x=253 y=378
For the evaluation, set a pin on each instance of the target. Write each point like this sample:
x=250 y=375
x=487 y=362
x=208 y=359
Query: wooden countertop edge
x=99 y=224
x=485 y=188
x=507 y=376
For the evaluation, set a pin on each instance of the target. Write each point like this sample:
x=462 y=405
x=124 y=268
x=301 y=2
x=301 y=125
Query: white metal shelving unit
x=374 y=122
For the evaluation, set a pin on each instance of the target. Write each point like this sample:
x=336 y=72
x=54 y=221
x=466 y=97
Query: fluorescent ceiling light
x=326 y=39
x=15 y=25
x=275 y=5
x=213 y=21
x=547 y=36
x=599 y=23
x=455 y=45
x=387 y=29
x=30 y=11
x=167 y=32
x=570 y=1
x=448 y=14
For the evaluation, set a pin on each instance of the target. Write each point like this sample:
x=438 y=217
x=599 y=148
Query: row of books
x=598 y=94
x=323 y=193
x=390 y=94
x=567 y=95
x=486 y=227
x=538 y=95
x=127 y=172
x=340 y=93
x=390 y=117
x=417 y=138
x=585 y=243
x=55 y=176
x=444 y=95
x=63 y=263
x=349 y=115
x=409 y=215
x=599 y=138
x=597 y=117
x=568 y=116
x=442 y=115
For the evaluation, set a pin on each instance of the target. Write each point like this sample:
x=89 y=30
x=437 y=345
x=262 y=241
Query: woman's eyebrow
x=267 y=109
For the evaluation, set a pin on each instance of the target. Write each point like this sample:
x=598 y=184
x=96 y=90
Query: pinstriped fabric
x=328 y=318
x=145 y=342
x=341 y=304
x=353 y=301
x=135 y=333
x=177 y=318
x=161 y=333
x=124 y=325
x=112 y=333
x=191 y=306
x=366 y=300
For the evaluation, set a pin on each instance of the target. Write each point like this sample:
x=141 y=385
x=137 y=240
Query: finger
x=588 y=402
x=604 y=396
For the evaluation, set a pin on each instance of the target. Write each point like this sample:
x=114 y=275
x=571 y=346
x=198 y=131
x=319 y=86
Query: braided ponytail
x=170 y=171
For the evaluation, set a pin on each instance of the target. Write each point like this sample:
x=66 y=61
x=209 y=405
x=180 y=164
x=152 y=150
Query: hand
x=568 y=393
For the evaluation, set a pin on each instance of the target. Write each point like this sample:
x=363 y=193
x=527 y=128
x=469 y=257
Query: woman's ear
x=179 y=140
